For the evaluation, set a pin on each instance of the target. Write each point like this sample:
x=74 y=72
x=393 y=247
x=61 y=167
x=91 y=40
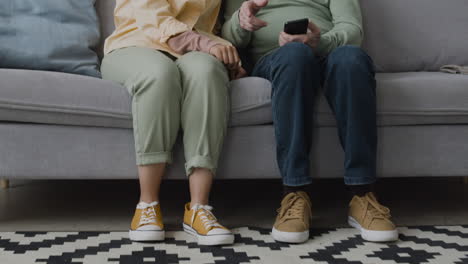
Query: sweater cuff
x=236 y=24
x=323 y=47
x=191 y=41
x=206 y=44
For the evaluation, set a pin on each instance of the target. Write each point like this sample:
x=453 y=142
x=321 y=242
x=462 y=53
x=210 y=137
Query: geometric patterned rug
x=428 y=244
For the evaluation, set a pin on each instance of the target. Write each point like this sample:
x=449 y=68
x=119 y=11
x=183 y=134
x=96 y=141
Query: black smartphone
x=296 y=27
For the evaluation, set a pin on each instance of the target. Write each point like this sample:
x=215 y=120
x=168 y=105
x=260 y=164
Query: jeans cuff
x=153 y=158
x=297 y=181
x=200 y=162
x=359 y=177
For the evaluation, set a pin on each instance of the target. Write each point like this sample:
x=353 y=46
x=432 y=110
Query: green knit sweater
x=339 y=20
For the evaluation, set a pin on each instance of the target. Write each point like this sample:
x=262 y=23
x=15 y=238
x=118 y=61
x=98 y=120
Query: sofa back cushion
x=53 y=35
x=105 y=11
x=415 y=35
x=400 y=35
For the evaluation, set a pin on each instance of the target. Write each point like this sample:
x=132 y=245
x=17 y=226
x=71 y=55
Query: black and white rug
x=438 y=245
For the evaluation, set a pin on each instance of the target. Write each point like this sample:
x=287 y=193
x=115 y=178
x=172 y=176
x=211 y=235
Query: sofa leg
x=4 y=183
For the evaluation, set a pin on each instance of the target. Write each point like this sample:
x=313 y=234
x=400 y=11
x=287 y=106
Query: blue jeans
x=347 y=76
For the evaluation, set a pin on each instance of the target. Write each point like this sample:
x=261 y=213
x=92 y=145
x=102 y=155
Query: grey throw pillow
x=52 y=35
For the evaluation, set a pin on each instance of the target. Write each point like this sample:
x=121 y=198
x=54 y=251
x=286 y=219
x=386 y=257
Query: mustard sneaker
x=200 y=222
x=147 y=224
x=293 y=220
x=372 y=219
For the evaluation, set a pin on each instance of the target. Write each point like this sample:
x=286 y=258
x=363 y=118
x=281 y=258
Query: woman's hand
x=237 y=73
x=229 y=56
x=226 y=54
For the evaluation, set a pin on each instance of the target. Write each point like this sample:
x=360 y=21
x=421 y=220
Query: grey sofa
x=62 y=126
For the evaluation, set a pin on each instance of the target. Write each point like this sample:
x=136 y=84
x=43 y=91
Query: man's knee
x=296 y=55
x=350 y=58
x=352 y=61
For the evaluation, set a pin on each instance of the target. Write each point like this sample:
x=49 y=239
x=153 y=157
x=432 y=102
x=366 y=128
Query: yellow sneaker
x=200 y=222
x=372 y=219
x=147 y=224
x=293 y=220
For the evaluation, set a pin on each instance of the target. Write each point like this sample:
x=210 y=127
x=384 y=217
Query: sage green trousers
x=168 y=94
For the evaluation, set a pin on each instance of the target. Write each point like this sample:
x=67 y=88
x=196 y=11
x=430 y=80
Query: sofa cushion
x=415 y=98
x=422 y=98
x=105 y=11
x=60 y=98
x=416 y=35
x=250 y=102
x=412 y=98
x=57 y=98
x=54 y=35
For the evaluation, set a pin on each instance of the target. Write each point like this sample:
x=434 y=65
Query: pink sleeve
x=191 y=41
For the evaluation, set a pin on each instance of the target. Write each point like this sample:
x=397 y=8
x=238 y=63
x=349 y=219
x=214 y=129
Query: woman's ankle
x=148 y=199
x=200 y=202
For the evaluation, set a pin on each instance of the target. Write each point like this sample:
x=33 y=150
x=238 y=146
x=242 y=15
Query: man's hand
x=247 y=13
x=228 y=56
x=311 y=38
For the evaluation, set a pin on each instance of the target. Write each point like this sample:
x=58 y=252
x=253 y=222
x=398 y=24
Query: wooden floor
x=109 y=205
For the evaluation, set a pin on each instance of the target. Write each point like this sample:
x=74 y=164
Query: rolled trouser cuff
x=153 y=158
x=360 y=176
x=297 y=181
x=202 y=162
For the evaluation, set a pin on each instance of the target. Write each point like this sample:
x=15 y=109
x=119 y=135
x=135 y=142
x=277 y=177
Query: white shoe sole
x=146 y=235
x=372 y=235
x=290 y=237
x=210 y=240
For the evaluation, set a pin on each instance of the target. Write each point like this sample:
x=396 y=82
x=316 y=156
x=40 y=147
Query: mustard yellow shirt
x=151 y=23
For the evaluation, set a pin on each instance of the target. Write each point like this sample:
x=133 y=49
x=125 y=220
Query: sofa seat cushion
x=411 y=98
x=62 y=98
x=414 y=98
x=422 y=98
x=68 y=99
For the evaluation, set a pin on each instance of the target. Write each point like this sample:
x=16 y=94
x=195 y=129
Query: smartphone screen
x=296 y=27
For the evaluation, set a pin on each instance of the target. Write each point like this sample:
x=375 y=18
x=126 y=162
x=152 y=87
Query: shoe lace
x=148 y=215
x=293 y=208
x=376 y=209
x=207 y=218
